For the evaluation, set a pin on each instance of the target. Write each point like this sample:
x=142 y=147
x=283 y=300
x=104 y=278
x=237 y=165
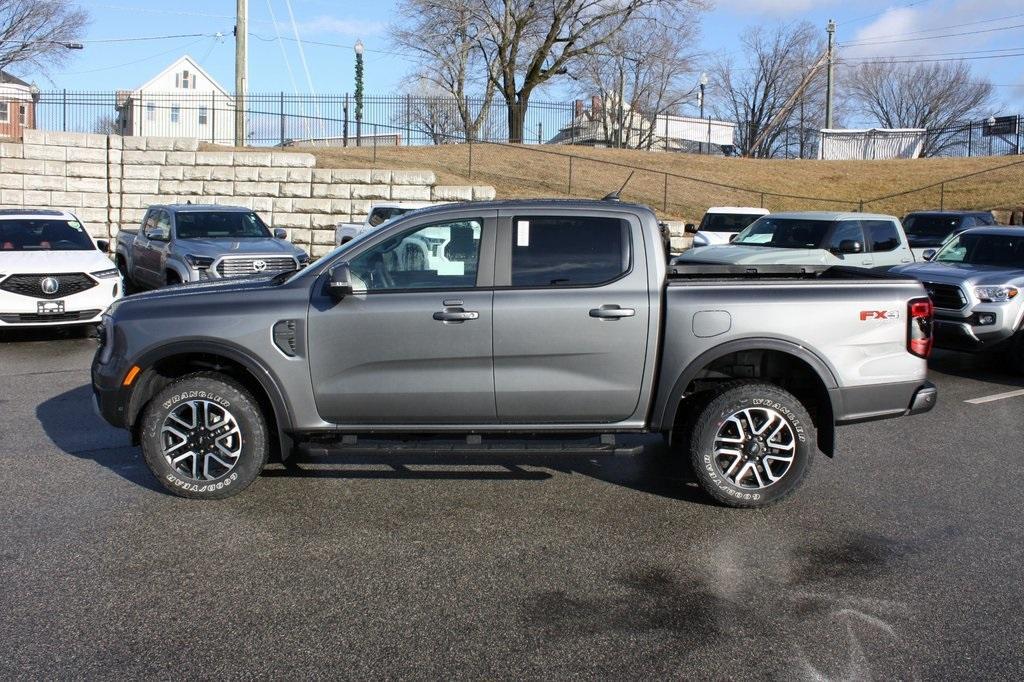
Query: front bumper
x=86 y=307
x=855 y=404
x=960 y=334
x=110 y=397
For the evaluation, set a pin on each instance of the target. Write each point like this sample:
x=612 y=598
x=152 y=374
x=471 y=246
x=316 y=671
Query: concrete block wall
x=108 y=181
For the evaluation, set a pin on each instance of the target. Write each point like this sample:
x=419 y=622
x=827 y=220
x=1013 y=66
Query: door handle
x=611 y=312
x=455 y=315
x=867 y=262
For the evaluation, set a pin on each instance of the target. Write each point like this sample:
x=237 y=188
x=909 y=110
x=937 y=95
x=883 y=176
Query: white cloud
x=774 y=7
x=328 y=25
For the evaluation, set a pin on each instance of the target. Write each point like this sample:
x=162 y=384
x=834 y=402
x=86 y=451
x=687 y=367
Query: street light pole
x=359 y=92
x=703 y=84
x=829 y=80
x=241 y=68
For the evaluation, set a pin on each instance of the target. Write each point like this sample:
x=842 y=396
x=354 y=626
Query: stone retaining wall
x=108 y=181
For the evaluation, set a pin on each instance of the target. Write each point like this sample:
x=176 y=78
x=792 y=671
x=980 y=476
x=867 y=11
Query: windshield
x=933 y=227
x=984 y=249
x=726 y=222
x=220 y=225
x=785 y=233
x=44 y=235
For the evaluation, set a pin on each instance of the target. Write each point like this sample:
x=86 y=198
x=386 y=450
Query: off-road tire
x=226 y=393
x=732 y=398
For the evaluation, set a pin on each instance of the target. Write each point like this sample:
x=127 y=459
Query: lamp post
x=991 y=125
x=703 y=84
x=359 y=92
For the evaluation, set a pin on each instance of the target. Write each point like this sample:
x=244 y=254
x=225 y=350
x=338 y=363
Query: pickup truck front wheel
x=204 y=437
x=751 y=445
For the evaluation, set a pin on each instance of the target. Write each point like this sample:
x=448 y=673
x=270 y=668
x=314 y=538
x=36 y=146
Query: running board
x=607 y=445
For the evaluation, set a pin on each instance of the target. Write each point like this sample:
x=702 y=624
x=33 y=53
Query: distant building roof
x=12 y=79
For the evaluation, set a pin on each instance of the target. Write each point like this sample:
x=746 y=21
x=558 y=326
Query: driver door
x=412 y=345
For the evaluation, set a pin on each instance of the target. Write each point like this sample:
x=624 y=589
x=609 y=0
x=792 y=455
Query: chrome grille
x=947 y=296
x=242 y=266
x=32 y=285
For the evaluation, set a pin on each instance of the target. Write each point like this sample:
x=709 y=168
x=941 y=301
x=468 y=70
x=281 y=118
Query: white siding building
x=180 y=101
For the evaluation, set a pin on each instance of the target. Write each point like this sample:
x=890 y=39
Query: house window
x=185 y=80
x=22 y=114
x=175 y=113
x=5 y=115
x=150 y=111
x=202 y=116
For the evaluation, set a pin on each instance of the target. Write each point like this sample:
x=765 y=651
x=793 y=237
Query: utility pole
x=830 y=82
x=241 y=68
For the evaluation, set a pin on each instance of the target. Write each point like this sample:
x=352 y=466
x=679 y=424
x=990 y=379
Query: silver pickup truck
x=180 y=243
x=529 y=320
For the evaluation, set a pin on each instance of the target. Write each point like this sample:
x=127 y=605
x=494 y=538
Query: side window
x=566 y=251
x=441 y=256
x=882 y=235
x=967 y=222
x=847 y=230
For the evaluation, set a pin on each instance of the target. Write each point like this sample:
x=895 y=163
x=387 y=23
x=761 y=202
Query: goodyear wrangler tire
x=752 y=444
x=204 y=437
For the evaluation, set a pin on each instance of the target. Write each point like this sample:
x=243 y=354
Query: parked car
x=51 y=271
x=180 y=243
x=541 y=319
x=975 y=282
x=860 y=240
x=721 y=223
x=378 y=215
x=931 y=229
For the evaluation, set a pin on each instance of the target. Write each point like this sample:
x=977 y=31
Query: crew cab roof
x=987 y=214
x=832 y=215
x=1001 y=230
x=35 y=214
x=537 y=204
x=182 y=208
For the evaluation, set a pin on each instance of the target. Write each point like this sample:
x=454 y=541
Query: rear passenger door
x=571 y=316
x=886 y=243
x=850 y=231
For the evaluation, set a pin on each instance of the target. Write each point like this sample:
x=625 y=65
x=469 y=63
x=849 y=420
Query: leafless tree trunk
x=639 y=75
x=35 y=33
x=753 y=91
x=443 y=35
x=941 y=97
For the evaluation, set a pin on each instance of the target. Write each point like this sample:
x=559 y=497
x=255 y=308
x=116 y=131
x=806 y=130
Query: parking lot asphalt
x=899 y=558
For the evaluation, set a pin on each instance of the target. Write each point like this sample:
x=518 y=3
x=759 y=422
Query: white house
x=183 y=100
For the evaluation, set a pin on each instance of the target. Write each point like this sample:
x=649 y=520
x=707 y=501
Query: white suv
x=51 y=271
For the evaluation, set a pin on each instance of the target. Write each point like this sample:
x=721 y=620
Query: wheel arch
x=163 y=365
x=809 y=378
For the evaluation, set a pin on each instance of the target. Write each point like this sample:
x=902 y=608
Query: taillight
x=919 y=332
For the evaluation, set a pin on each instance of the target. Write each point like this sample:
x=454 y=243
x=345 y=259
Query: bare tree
x=639 y=75
x=37 y=33
x=106 y=124
x=755 y=92
x=941 y=97
x=443 y=35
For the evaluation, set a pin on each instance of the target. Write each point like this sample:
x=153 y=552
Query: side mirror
x=732 y=237
x=280 y=233
x=158 y=234
x=103 y=245
x=850 y=246
x=690 y=228
x=929 y=254
x=339 y=283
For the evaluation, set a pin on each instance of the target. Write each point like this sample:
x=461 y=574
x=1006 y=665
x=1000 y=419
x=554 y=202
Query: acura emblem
x=259 y=265
x=49 y=285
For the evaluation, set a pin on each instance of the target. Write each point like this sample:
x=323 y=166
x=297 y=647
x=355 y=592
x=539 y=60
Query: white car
x=721 y=223
x=51 y=271
x=379 y=214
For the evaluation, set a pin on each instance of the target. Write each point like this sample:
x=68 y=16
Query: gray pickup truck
x=180 y=243
x=548 y=320
x=975 y=282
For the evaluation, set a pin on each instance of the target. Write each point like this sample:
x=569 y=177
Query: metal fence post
x=344 y=123
x=540 y=133
x=942 y=196
x=970 y=137
x=762 y=199
x=374 y=144
x=469 y=144
x=408 y=120
x=664 y=196
x=64 y=108
x=570 y=177
x=1020 y=121
x=213 y=117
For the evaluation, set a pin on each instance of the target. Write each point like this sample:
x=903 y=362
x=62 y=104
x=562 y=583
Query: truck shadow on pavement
x=72 y=426
x=70 y=423
x=32 y=334
x=988 y=368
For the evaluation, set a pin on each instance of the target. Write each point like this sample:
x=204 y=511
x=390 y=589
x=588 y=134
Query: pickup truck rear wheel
x=204 y=436
x=751 y=445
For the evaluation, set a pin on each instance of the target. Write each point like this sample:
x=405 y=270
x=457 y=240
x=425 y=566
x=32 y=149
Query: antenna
x=615 y=196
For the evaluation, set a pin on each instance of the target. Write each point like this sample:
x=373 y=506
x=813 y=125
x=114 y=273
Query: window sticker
x=523 y=233
x=75 y=225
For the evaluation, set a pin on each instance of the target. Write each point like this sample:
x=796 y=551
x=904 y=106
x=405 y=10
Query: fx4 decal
x=879 y=315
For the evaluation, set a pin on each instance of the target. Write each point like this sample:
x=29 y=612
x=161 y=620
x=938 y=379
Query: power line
x=137 y=59
x=284 y=52
x=878 y=14
x=944 y=28
x=876 y=60
x=139 y=39
x=945 y=35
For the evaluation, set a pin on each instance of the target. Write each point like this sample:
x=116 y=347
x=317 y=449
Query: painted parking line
x=993 y=398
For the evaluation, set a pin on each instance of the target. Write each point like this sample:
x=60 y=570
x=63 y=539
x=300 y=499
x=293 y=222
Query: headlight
x=102 y=274
x=1000 y=294
x=199 y=262
x=303 y=257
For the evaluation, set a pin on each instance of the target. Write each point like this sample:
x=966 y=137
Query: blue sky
x=924 y=29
